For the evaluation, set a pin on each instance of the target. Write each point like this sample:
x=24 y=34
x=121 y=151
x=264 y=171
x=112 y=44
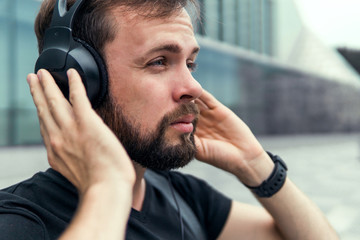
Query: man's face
x=152 y=90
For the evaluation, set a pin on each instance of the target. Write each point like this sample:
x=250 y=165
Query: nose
x=186 y=87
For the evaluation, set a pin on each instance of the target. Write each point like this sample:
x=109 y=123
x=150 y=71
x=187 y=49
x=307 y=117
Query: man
x=153 y=106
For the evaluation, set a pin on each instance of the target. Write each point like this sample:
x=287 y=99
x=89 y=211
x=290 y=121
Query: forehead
x=129 y=22
x=136 y=34
x=133 y=16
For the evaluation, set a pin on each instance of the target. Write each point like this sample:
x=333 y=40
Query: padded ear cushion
x=103 y=81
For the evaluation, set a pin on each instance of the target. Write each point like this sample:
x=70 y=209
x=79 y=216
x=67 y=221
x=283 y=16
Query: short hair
x=94 y=22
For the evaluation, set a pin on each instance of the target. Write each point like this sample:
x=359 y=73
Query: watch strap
x=276 y=180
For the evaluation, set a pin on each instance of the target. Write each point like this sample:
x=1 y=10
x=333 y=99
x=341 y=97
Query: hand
x=79 y=145
x=225 y=141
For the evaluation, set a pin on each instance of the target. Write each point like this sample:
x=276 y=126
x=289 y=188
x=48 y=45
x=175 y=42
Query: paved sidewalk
x=325 y=167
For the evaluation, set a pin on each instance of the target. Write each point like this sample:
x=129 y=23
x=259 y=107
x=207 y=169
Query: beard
x=151 y=150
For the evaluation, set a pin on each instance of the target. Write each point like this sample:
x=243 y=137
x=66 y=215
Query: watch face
x=279 y=159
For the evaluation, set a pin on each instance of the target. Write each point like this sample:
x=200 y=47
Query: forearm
x=295 y=215
x=102 y=213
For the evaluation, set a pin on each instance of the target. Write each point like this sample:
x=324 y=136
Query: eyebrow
x=172 y=48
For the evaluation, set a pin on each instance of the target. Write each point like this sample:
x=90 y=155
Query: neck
x=139 y=187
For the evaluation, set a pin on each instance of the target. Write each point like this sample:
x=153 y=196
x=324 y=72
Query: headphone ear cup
x=85 y=60
x=96 y=88
x=62 y=51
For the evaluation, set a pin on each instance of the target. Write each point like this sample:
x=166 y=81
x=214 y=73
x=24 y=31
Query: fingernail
x=28 y=78
x=39 y=74
x=69 y=72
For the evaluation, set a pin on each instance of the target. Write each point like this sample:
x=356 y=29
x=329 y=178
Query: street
x=325 y=167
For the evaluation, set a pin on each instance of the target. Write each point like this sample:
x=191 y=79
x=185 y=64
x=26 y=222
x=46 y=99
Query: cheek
x=144 y=104
x=151 y=106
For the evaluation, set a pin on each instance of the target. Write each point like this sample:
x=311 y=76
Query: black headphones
x=62 y=51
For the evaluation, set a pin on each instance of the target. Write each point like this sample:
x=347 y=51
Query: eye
x=157 y=62
x=192 y=66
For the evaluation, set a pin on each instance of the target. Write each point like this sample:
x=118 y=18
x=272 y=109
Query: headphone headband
x=63 y=18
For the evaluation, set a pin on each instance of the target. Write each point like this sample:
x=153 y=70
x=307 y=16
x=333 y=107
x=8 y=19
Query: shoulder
x=17 y=221
x=42 y=205
x=41 y=181
x=45 y=189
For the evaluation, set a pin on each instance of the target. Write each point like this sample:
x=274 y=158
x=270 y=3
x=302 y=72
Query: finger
x=41 y=103
x=37 y=93
x=208 y=100
x=78 y=97
x=45 y=120
x=54 y=160
x=201 y=105
x=59 y=107
x=48 y=128
x=44 y=135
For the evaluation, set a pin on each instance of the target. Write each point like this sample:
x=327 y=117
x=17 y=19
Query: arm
x=81 y=147
x=224 y=141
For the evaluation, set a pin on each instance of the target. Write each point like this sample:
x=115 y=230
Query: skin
x=150 y=64
x=150 y=77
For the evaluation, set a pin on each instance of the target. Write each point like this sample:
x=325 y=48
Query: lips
x=184 y=124
x=185 y=119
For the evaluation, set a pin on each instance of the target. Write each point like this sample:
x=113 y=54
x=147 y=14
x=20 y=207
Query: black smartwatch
x=276 y=180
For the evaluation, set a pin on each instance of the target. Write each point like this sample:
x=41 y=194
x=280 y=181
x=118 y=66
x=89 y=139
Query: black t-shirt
x=42 y=207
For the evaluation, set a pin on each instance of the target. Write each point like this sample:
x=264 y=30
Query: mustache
x=182 y=110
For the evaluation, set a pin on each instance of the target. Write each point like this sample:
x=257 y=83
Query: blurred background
x=288 y=68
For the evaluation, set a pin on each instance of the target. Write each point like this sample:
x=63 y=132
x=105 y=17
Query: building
x=245 y=23
x=257 y=57
x=18 y=121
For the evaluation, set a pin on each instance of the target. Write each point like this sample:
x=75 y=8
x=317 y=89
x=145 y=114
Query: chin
x=166 y=156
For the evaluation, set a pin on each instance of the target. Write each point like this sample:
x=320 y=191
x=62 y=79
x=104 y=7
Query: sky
x=335 y=22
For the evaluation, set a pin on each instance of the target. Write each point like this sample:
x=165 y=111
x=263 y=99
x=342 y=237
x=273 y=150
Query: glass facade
x=218 y=72
x=245 y=23
x=266 y=27
x=288 y=27
x=18 y=121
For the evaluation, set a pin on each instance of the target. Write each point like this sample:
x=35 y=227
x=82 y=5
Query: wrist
x=101 y=208
x=274 y=182
x=109 y=190
x=109 y=199
x=256 y=171
x=105 y=179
